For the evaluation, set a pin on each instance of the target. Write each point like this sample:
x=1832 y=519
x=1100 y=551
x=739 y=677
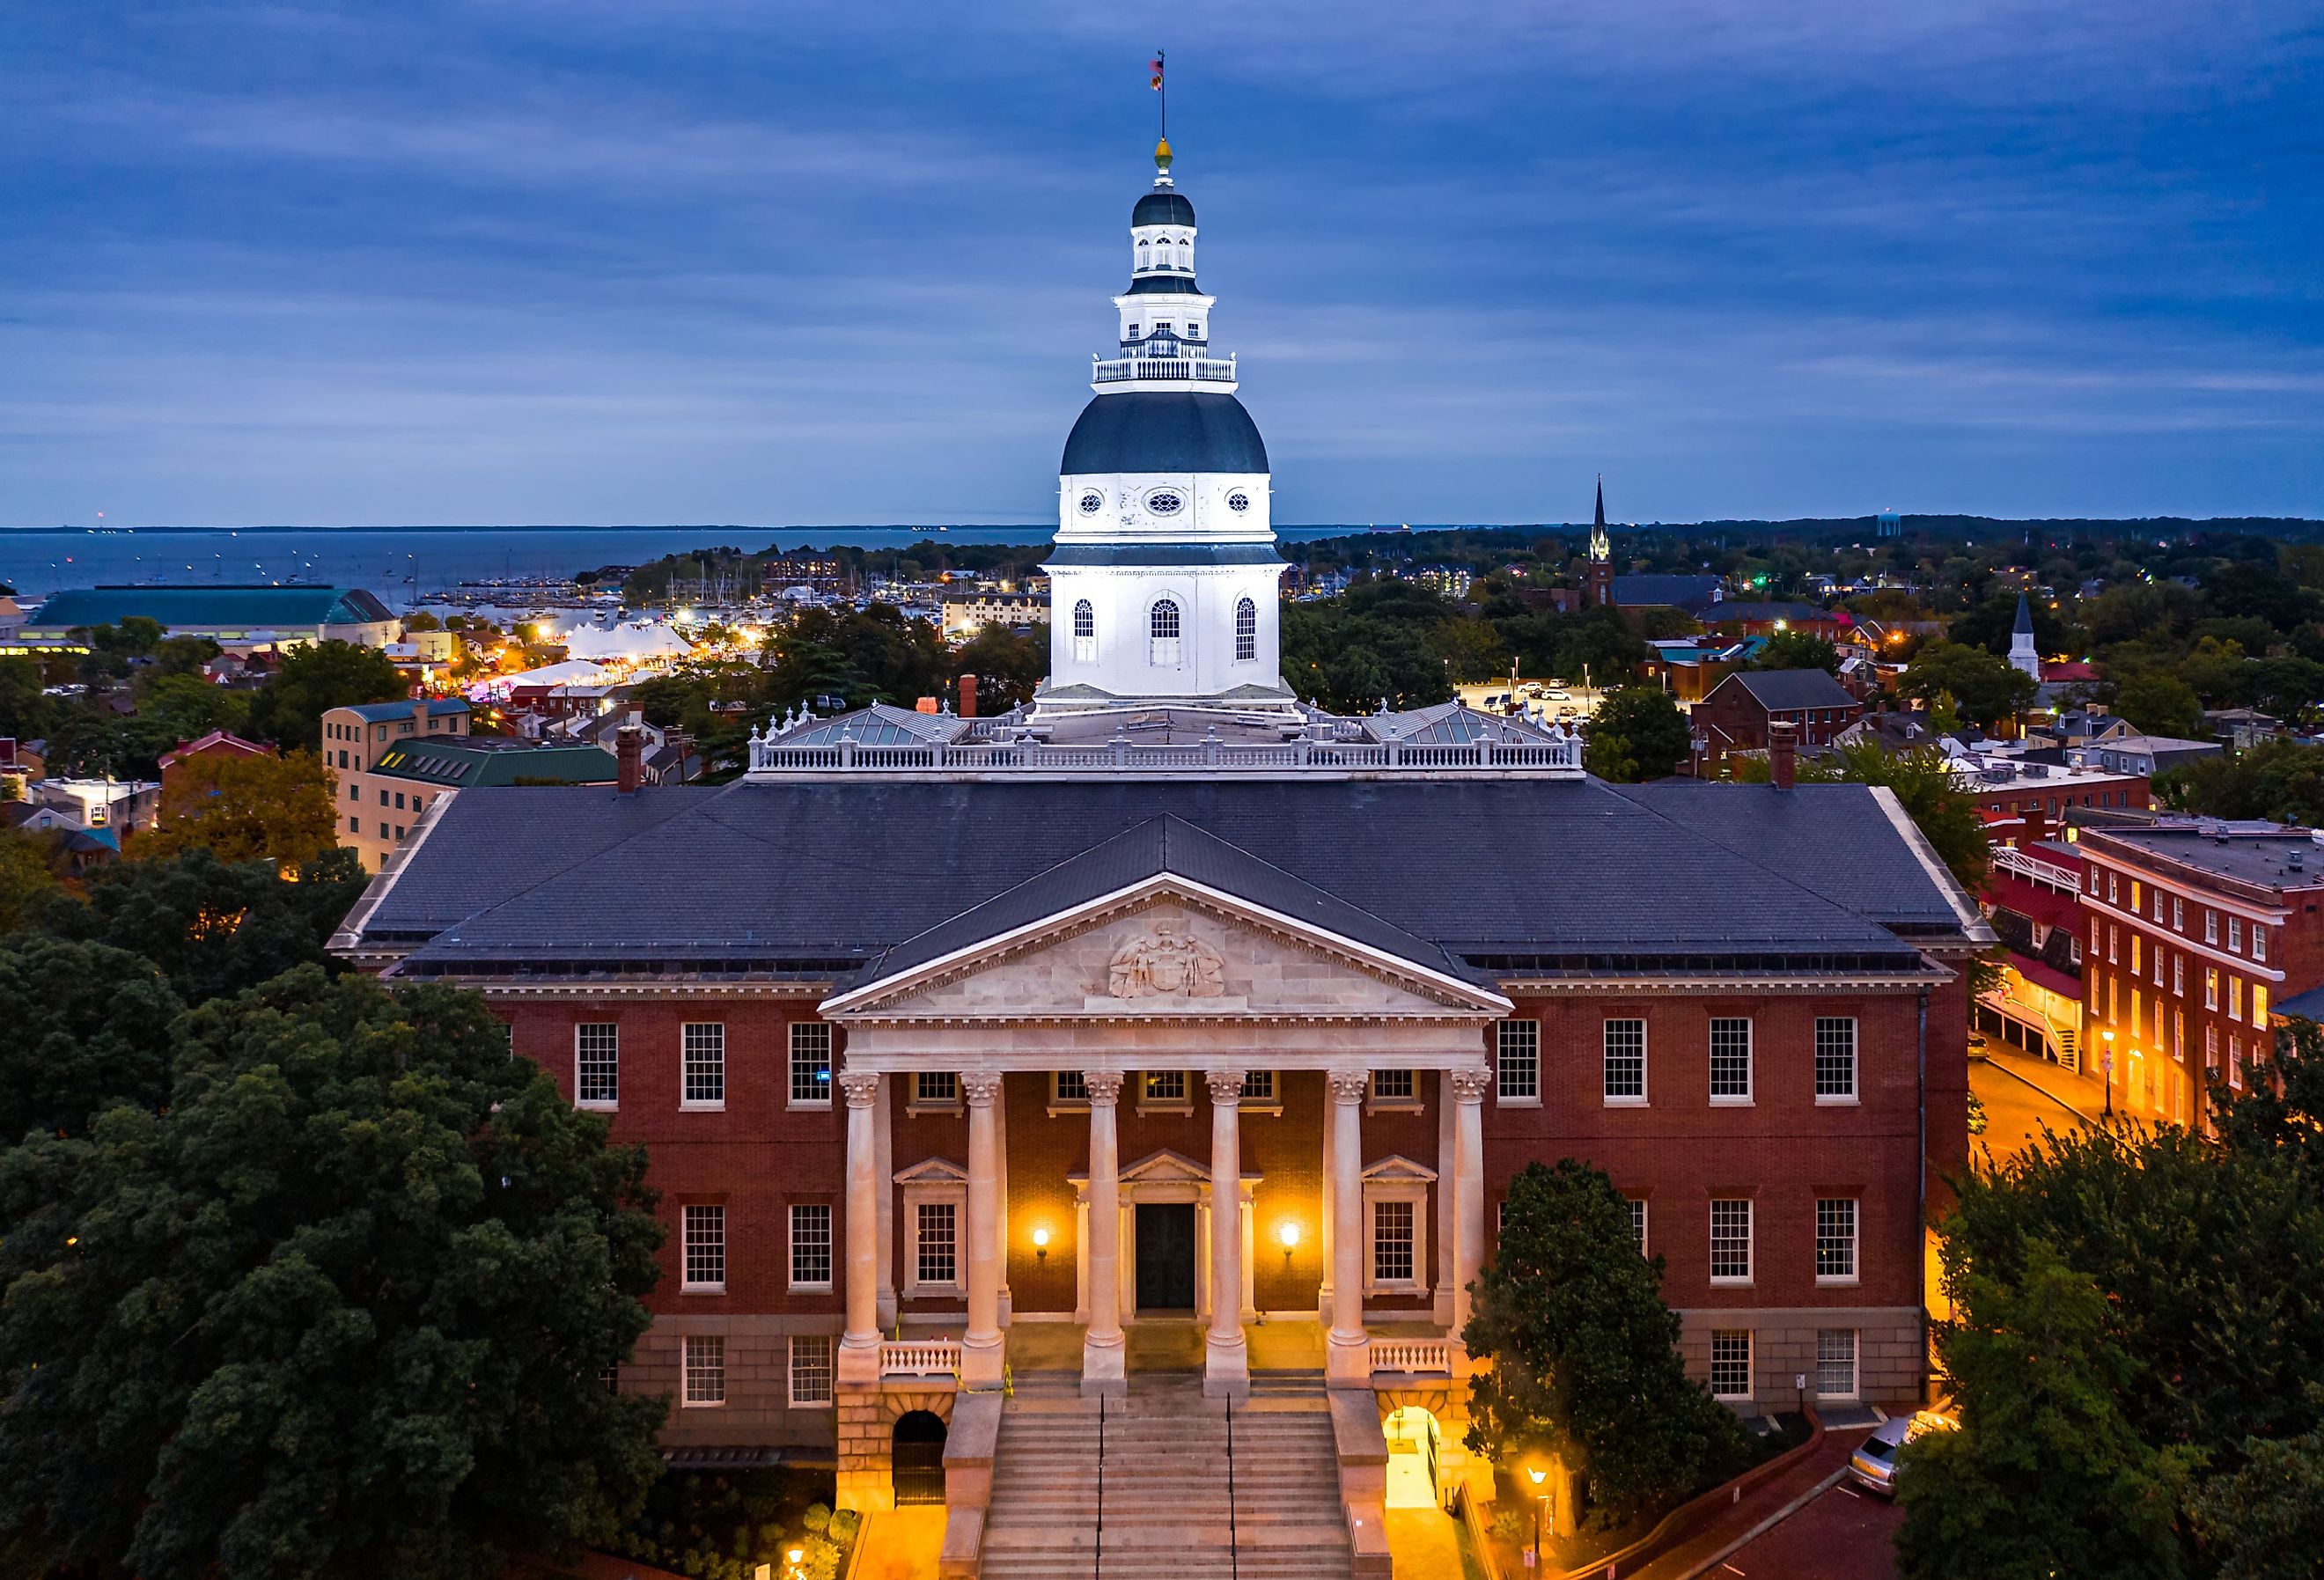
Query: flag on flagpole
x=1155 y=66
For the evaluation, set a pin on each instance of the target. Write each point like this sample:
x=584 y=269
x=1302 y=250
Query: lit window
x=1730 y=1060
x=1835 y=1250
x=706 y=1369
x=1246 y=631
x=1626 y=1061
x=705 y=1059
x=2259 y=1005
x=597 y=1065
x=1518 y=1061
x=810 y=1245
x=1730 y=1364
x=1835 y=1372
x=1730 y=1242
x=705 y=1232
x=811 y=1064
x=2234 y=998
x=812 y=1368
x=1165 y=1086
x=2211 y=987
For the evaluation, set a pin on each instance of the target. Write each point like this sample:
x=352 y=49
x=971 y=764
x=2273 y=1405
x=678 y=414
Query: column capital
x=1105 y=1087
x=979 y=1088
x=1350 y=1086
x=1226 y=1086
x=1469 y=1085
x=862 y=1088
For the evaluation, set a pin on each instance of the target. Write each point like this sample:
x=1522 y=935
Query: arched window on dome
x=1084 y=633
x=1162 y=629
x=1246 y=632
x=1144 y=254
x=1187 y=255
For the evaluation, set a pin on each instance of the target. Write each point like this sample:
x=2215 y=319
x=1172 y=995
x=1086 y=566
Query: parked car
x=1873 y=1466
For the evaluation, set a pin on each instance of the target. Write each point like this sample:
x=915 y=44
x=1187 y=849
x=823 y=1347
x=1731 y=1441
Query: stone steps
x=1165 y=1484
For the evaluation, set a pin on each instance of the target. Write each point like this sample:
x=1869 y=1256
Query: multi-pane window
x=1084 y=633
x=1392 y=1241
x=2234 y=998
x=1638 y=1223
x=706 y=1369
x=1393 y=1087
x=2259 y=942
x=1730 y=1240
x=1517 y=1061
x=2210 y=926
x=1165 y=1086
x=705 y=1232
x=1258 y=1087
x=2236 y=1064
x=2259 y=1004
x=2211 y=987
x=1730 y=1362
x=704 y=1049
x=1835 y=1372
x=938 y=1240
x=812 y=1368
x=1835 y=1056
x=1626 y=1061
x=1246 y=631
x=597 y=1064
x=1071 y=1086
x=2178 y=914
x=1163 y=632
x=810 y=1245
x=2235 y=934
x=1730 y=1060
x=1836 y=1237
x=2179 y=975
x=810 y=1063
x=935 y=1086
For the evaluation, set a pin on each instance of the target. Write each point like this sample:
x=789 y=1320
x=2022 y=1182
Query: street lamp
x=2105 y=1062
x=1540 y=1507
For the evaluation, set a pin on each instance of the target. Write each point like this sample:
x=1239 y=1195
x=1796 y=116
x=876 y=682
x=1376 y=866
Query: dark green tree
x=315 y=679
x=1585 y=1361
x=1984 y=689
x=25 y=715
x=2279 y=780
x=2046 y=1475
x=1636 y=733
x=2265 y=1520
x=1798 y=649
x=2158 y=703
x=88 y=1026
x=1992 y=626
x=341 y=1308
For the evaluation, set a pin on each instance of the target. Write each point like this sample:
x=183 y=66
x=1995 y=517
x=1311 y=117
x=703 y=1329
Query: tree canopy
x=314 y=678
x=1636 y=733
x=1984 y=689
x=281 y=809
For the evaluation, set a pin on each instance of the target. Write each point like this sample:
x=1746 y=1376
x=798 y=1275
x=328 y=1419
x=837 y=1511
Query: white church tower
x=1162 y=579
x=2022 y=655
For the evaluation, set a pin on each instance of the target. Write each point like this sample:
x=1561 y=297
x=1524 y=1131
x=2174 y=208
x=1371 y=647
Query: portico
x=1138 y=1003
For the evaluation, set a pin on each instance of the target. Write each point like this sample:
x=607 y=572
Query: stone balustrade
x=1411 y=1354
x=936 y=1357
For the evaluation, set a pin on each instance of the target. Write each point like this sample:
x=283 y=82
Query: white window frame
x=1162 y=652
x=1517 y=1045
x=2259 y=943
x=705 y=1232
x=1639 y=1098
x=597 y=1104
x=1725 y=1336
x=1061 y=1096
x=805 y=1035
x=702 y=1355
x=922 y=1102
x=2211 y=987
x=1084 y=641
x=1408 y=1101
x=1641 y=1222
x=687 y=1072
x=1855 y=1359
x=1246 y=632
x=918 y=1197
x=2235 y=934
x=2210 y=926
x=1373 y=1283
x=2178 y=914
x=1850 y=1243
x=1832 y=1025
x=1751 y=1242
x=1750 y=1073
x=1178 y=1096
x=816 y=1354
x=794 y=1244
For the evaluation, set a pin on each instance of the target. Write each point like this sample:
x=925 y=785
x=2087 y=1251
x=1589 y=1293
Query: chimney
x=968 y=697
x=629 y=754
x=2037 y=825
x=1779 y=752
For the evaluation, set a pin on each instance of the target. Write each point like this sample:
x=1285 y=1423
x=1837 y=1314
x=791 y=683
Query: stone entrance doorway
x=917 y=1458
x=1166 y=1257
x=1413 y=1467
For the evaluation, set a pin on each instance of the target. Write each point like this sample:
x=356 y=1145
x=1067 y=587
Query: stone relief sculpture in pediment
x=1165 y=961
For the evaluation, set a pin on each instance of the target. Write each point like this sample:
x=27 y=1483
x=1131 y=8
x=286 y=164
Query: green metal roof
x=463 y=763
x=212 y=608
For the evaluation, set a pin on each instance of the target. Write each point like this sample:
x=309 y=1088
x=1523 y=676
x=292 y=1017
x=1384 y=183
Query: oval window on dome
x=1165 y=502
x=1238 y=501
x=1091 y=503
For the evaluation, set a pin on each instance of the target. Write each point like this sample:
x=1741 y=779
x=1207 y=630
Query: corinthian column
x=1347 y=1356
x=1102 y=1359
x=859 y=1348
x=981 y=1348
x=1226 y=1360
x=1468 y=1187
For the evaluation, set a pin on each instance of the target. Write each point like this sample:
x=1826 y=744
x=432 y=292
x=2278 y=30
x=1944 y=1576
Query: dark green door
x=1165 y=1257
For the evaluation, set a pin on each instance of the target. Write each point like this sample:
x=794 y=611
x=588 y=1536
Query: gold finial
x=1162 y=156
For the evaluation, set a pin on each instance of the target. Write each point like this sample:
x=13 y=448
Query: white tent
x=626 y=644
x=571 y=672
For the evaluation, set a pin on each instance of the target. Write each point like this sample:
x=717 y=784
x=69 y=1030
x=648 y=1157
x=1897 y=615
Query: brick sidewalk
x=1831 y=1458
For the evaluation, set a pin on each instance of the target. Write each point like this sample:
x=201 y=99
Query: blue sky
x=706 y=261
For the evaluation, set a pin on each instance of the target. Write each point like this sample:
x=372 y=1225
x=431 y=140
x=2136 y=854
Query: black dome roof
x=1159 y=208
x=1163 y=431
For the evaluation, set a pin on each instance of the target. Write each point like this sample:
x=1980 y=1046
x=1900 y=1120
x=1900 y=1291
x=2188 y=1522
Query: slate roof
x=467 y=761
x=1159 y=208
x=407 y=707
x=2306 y=1006
x=1160 y=844
x=227 y=607
x=1677 y=592
x=1163 y=431
x=1788 y=690
x=1513 y=875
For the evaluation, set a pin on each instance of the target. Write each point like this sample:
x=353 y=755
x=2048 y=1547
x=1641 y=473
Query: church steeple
x=1601 y=585
x=2023 y=654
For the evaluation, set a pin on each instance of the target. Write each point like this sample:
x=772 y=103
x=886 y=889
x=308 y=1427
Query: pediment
x=1166 y=1168
x=1399 y=1171
x=933 y=1171
x=1169 y=953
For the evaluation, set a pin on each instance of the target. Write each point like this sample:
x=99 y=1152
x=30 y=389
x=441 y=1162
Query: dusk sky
x=705 y=260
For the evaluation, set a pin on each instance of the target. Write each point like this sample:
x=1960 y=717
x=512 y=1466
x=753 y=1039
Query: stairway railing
x=1234 y=1548
x=1097 y=1558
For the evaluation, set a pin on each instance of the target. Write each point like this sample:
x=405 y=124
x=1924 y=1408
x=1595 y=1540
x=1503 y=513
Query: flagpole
x=1160 y=62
